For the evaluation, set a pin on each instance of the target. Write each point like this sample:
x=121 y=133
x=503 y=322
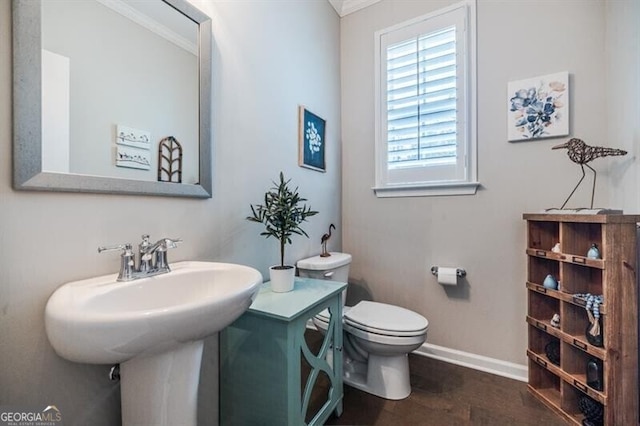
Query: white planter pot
x=282 y=279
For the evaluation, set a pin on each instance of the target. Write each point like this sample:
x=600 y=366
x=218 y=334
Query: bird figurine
x=324 y=240
x=581 y=153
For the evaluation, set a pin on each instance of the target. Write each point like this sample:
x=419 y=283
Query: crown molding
x=345 y=7
x=151 y=24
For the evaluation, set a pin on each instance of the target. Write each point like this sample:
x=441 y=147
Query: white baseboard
x=469 y=360
x=477 y=362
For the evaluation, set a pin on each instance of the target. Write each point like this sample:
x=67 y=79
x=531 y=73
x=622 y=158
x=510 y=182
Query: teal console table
x=261 y=355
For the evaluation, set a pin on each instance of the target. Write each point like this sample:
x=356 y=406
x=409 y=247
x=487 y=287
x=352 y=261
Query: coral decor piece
x=555 y=321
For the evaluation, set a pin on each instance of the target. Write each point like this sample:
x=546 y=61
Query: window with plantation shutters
x=425 y=112
x=421 y=100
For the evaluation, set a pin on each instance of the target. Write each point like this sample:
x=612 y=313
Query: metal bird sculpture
x=324 y=240
x=581 y=153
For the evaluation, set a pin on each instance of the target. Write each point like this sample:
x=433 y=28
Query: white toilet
x=377 y=337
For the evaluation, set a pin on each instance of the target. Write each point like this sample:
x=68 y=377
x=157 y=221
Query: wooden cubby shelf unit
x=561 y=387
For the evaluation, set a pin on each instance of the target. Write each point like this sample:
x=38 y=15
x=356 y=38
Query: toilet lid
x=319 y=263
x=386 y=319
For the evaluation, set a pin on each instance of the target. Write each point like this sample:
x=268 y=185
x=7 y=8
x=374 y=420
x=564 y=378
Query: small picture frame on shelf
x=311 y=140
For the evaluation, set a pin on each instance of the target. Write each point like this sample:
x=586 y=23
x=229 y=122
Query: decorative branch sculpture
x=170 y=160
x=581 y=153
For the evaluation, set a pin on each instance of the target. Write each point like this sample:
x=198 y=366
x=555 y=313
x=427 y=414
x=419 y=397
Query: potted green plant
x=282 y=214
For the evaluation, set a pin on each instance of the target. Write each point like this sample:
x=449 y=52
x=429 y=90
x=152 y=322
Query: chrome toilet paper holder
x=459 y=272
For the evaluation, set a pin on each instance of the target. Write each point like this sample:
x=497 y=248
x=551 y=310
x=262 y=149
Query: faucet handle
x=124 y=247
x=127 y=262
x=172 y=242
x=161 y=253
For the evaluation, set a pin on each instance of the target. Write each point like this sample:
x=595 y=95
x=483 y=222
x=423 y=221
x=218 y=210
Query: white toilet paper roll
x=447 y=276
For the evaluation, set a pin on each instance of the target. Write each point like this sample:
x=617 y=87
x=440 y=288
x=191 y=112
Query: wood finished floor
x=444 y=394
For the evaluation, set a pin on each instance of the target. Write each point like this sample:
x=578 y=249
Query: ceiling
x=345 y=7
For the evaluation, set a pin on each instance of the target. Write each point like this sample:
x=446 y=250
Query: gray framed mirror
x=97 y=86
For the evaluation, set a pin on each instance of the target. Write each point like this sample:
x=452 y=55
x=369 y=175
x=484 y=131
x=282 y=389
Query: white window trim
x=422 y=189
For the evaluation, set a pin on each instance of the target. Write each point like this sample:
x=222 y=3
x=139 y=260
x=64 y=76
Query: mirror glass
x=112 y=79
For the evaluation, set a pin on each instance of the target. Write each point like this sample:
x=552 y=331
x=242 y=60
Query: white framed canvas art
x=538 y=107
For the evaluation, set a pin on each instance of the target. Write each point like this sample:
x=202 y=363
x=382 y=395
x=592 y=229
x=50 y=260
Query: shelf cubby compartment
x=544 y=383
x=573 y=323
x=539 y=339
x=542 y=307
x=543 y=235
x=581 y=279
x=577 y=238
x=570 y=406
x=574 y=365
x=540 y=267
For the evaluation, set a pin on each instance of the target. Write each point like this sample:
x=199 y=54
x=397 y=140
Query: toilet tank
x=334 y=267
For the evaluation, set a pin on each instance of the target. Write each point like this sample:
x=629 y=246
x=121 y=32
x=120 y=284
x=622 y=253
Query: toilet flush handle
x=328 y=274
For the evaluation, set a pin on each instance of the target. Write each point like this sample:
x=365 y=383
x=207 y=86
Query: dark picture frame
x=311 y=140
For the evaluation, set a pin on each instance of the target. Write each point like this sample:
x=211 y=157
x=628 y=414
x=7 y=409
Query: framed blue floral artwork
x=538 y=107
x=311 y=140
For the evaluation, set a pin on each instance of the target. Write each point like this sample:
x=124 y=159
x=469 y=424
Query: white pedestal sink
x=153 y=327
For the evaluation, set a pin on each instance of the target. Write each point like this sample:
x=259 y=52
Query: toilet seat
x=324 y=315
x=385 y=339
x=380 y=319
x=386 y=320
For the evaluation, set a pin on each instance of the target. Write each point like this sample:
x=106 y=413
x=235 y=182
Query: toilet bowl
x=377 y=336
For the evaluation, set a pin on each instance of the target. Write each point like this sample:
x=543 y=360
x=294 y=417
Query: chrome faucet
x=127 y=260
x=159 y=249
x=152 y=258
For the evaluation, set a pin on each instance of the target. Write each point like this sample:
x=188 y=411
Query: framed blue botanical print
x=538 y=107
x=311 y=140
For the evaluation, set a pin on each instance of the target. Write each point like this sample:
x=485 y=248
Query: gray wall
x=623 y=94
x=268 y=58
x=394 y=242
x=137 y=70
